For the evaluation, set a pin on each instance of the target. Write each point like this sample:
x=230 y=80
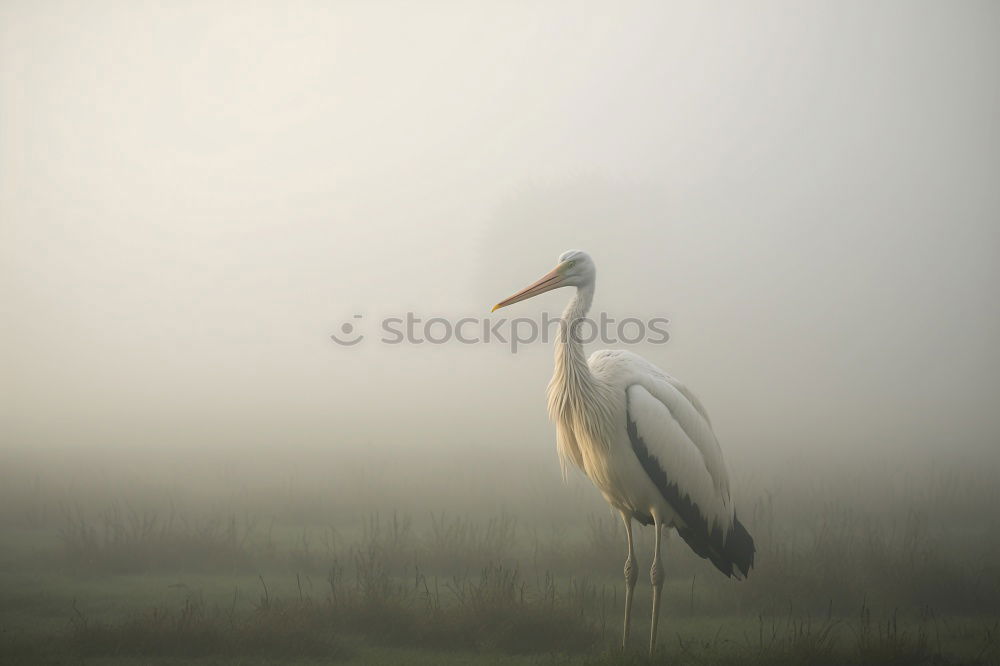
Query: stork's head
x=575 y=269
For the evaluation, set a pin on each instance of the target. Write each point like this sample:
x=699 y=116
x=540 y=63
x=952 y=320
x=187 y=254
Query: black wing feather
x=736 y=550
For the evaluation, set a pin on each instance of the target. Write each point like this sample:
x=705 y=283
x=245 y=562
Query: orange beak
x=548 y=282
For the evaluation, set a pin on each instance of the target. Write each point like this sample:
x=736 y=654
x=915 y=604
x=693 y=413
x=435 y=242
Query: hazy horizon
x=194 y=197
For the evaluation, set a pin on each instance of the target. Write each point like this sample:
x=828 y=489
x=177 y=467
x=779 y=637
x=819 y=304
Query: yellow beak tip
x=495 y=308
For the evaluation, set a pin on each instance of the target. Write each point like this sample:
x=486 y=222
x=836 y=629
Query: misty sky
x=193 y=197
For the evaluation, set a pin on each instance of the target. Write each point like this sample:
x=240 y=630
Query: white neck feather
x=580 y=403
x=572 y=385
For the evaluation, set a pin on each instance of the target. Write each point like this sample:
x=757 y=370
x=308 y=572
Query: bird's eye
x=570 y=263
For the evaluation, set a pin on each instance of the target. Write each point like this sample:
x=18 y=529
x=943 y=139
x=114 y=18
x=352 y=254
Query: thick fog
x=194 y=197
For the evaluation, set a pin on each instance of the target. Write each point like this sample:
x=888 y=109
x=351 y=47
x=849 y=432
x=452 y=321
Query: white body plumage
x=667 y=416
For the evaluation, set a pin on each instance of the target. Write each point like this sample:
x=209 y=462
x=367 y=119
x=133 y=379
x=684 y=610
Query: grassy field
x=127 y=574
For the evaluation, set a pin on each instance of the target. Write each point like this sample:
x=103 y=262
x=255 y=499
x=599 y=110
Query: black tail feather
x=735 y=551
x=740 y=549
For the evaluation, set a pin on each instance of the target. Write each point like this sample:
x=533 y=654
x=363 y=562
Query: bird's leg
x=656 y=578
x=631 y=575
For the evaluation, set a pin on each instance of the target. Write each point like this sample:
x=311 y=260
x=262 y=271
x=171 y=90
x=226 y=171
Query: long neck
x=571 y=362
x=578 y=400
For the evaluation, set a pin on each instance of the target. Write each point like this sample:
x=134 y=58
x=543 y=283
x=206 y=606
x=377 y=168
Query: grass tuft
x=293 y=629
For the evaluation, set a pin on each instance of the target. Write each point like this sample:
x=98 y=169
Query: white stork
x=643 y=439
